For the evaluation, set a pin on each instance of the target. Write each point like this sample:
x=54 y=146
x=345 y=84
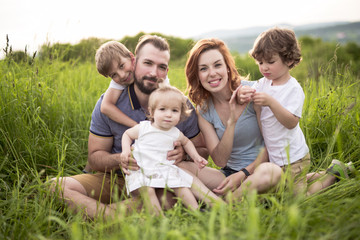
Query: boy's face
x=275 y=69
x=151 y=65
x=121 y=71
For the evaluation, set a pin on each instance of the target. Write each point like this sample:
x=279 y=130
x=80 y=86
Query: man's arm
x=100 y=157
x=99 y=154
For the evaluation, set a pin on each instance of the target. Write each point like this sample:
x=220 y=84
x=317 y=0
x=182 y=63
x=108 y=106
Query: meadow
x=45 y=112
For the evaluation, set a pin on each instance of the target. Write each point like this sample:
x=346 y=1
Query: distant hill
x=241 y=40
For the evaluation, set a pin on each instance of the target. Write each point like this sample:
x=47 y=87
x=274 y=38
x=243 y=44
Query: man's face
x=151 y=65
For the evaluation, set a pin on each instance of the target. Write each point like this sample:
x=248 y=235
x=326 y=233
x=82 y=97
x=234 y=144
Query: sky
x=31 y=23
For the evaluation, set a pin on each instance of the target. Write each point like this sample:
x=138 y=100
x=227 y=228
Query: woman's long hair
x=197 y=93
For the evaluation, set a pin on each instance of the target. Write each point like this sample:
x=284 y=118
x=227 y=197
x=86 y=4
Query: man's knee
x=65 y=184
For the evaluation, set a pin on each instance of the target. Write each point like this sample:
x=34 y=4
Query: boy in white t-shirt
x=280 y=96
x=281 y=99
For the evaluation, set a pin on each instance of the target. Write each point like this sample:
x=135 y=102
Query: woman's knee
x=269 y=171
x=188 y=166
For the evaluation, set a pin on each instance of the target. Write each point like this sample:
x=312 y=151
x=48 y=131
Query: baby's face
x=167 y=112
x=121 y=71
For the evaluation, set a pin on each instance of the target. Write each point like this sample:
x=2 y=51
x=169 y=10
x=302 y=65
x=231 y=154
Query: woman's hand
x=231 y=183
x=235 y=109
x=244 y=94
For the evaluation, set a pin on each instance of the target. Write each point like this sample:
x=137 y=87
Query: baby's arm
x=191 y=150
x=127 y=138
x=286 y=118
x=109 y=108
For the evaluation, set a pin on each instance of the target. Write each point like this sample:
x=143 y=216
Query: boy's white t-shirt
x=280 y=141
x=117 y=86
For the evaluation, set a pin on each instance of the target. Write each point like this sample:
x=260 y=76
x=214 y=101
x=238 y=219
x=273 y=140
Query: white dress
x=150 y=152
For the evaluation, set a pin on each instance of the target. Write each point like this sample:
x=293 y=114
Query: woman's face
x=212 y=70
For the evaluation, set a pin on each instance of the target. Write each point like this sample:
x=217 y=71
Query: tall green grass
x=45 y=112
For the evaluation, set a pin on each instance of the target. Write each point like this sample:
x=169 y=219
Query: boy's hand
x=244 y=94
x=262 y=99
x=177 y=154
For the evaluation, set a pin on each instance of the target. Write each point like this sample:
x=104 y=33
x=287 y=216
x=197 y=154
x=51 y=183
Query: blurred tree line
x=319 y=58
x=316 y=54
x=85 y=50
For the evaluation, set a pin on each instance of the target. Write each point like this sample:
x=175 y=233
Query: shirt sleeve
x=190 y=127
x=252 y=84
x=115 y=85
x=295 y=102
x=99 y=124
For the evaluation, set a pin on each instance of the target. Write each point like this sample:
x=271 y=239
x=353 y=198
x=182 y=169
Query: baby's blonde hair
x=173 y=94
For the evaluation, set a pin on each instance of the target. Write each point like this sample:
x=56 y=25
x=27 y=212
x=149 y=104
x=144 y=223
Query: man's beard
x=140 y=84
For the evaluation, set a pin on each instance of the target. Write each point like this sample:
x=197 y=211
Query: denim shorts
x=228 y=171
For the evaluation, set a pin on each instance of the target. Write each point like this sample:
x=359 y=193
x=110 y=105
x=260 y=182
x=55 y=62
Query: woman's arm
x=109 y=108
x=257 y=109
x=233 y=182
x=220 y=150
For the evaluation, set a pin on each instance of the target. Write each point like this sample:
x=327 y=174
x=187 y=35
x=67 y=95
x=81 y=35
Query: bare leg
x=149 y=198
x=201 y=192
x=211 y=177
x=187 y=197
x=265 y=176
x=319 y=181
x=166 y=198
x=75 y=195
x=87 y=168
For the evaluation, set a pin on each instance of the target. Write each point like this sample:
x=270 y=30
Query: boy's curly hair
x=280 y=41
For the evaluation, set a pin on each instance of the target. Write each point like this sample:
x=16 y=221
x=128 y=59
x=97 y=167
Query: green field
x=45 y=112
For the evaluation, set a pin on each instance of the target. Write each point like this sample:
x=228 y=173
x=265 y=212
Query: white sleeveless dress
x=150 y=152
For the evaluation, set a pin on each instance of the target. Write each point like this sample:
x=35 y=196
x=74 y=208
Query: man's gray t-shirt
x=128 y=103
